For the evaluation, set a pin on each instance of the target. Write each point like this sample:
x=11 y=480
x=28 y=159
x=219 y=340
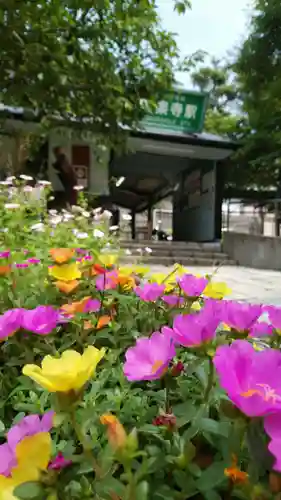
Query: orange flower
x=126 y=282
x=116 y=433
x=75 y=307
x=235 y=474
x=61 y=255
x=88 y=325
x=103 y=321
x=4 y=270
x=97 y=269
x=67 y=286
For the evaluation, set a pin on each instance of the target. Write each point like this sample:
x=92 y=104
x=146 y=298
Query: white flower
x=44 y=183
x=97 y=211
x=106 y=214
x=52 y=211
x=6 y=183
x=86 y=214
x=76 y=209
x=10 y=179
x=51 y=198
x=27 y=189
x=67 y=217
x=107 y=245
x=113 y=228
x=56 y=219
x=97 y=233
x=26 y=177
x=127 y=217
x=128 y=252
x=139 y=250
x=38 y=227
x=81 y=236
x=4 y=230
x=78 y=188
x=11 y=206
x=148 y=250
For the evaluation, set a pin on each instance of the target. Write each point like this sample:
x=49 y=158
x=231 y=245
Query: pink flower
x=107 y=281
x=10 y=322
x=21 y=265
x=34 y=261
x=252 y=379
x=173 y=300
x=274 y=314
x=93 y=305
x=275 y=448
x=240 y=316
x=191 y=285
x=261 y=329
x=272 y=425
x=149 y=358
x=41 y=320
x=192 y=330
x=5 y=255
x=28 y=426
x=150 y=292
x=59 y=462
x=7 y=460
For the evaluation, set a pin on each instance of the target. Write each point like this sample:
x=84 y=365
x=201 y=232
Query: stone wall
x=260 y=252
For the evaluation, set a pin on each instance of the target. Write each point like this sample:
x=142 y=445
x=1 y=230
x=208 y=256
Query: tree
x=259 y=72
x=222 y=116
x=92 y=60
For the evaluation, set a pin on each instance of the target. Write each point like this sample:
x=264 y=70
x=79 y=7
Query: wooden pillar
x=133 y=225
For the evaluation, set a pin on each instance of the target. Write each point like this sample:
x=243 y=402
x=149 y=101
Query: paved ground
x=252 y=285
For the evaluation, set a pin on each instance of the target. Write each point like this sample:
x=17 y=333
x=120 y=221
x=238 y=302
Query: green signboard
x=178 y=111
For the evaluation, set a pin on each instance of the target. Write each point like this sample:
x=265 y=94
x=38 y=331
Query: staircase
x=167 y=253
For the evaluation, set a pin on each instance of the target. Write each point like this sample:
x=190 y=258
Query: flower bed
x=120 y=384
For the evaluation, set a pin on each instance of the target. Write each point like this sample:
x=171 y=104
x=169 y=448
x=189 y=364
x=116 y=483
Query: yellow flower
x=70 y=372
x=216 y=290
x=116 y=433
x=163 y=279
x=141 y=270
x=196 y=306
x=108 y=260
x=65 y=272
x=33 y=455
x=179 y=270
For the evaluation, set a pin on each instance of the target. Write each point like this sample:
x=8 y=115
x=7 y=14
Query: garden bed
x=117 y=384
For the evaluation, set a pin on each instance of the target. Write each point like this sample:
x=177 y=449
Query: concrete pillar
x=149 y=223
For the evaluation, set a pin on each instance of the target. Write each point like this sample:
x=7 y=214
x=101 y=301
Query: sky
x=215 y=26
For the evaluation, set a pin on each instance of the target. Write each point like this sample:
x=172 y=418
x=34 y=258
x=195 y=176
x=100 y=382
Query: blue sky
x=216 y=26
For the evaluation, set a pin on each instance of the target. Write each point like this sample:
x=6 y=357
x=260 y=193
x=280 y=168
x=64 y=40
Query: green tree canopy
x=259 y=73
x=97 y=59
x=216 y=78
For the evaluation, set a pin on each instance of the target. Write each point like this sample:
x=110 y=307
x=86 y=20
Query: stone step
x=213 y=246
x=164 y=252
x=169 y=261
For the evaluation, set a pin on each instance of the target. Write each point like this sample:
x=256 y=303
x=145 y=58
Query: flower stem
x=210 y=380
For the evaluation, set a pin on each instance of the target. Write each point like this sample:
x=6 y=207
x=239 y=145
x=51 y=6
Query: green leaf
x=211 y=477
x=142 y=491
x=29 y=490
x=214 y=427
x=184 y=412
